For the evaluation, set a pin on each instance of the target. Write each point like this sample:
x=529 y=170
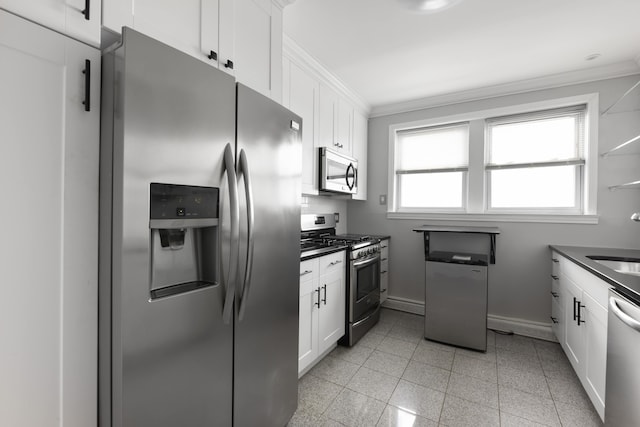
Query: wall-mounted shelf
x=606 y=110
x=635 y=185
x=624 y=144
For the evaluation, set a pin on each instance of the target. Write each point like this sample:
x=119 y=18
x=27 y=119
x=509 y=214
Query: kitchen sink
x=619 y=264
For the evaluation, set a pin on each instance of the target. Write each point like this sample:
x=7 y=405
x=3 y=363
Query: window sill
x=553 y=219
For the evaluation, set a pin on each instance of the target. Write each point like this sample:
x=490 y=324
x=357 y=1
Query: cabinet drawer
x=555 y=264
x=332 y=262
x=384 y=266
x=309 y=270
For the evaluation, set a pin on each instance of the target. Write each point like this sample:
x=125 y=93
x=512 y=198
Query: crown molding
x=294 y=52
x=540 y=83
x=282 y=3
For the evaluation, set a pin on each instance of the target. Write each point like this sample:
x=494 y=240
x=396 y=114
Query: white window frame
x=476 y=209
x=465 y=175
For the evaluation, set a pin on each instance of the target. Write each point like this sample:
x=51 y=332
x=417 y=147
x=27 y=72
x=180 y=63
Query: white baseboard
x=404 y=304
x=523 y=327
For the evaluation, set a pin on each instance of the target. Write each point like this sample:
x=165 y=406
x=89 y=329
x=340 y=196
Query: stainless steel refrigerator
x=199 y=245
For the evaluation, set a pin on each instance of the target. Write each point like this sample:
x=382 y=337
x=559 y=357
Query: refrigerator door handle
x=243 y=171
x=234 y=209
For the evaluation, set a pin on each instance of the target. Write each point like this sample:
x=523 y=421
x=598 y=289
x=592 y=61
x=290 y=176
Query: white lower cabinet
x=579 y=305
x=322 y=307
x=49 y=170
x=384 y=270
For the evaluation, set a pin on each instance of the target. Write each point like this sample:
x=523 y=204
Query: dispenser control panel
x=172 y=201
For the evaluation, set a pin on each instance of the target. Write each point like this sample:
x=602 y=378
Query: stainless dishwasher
x=456 y=299
x=623 y=364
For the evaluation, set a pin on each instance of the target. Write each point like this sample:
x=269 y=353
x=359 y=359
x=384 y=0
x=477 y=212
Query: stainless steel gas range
x=363 y=273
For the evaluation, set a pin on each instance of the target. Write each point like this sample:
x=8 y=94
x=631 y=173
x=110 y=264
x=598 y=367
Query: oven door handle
x=367 y=261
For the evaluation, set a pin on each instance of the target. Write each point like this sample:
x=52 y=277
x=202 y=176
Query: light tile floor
x=394 y=377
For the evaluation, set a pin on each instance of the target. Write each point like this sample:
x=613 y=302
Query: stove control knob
x=360 y=253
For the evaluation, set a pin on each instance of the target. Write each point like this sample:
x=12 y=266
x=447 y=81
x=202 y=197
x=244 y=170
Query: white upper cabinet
x=240 y=37
x=188 y=25
x=344 y=126
x=79 y=19
x=359 y=151
x=50 y=142
x=303 y=100
x=335 y=120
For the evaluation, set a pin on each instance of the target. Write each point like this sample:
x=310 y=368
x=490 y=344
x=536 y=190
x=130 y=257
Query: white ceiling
x=389 y=55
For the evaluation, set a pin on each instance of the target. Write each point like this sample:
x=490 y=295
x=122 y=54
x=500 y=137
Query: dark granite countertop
x=315 y=253
x=627 y=283
x=377 y=236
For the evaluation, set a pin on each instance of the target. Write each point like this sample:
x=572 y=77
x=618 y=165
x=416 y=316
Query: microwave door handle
x=353 y=182
x=243 y=171
x=234 y=209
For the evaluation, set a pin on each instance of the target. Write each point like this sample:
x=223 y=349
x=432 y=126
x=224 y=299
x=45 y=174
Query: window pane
x=543 y=187
x=434 y=148
x=431 y=190
x=534 y=141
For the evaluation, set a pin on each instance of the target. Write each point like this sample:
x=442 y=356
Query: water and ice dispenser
x=183 y=223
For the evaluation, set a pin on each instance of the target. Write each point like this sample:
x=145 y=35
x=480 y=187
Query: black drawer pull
x=228 y=64
x=212 y=56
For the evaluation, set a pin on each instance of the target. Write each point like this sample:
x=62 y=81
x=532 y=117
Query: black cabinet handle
x=553 y=319
x=383 y=271
x=212 y=56
x=325 y=294
x=575 y=316
x=86 y=12
x=580 y=306
x=87 y=85
x=554 y=277
x=555 y=260
x=228 y=64
x=554 y=294
x=317 y=303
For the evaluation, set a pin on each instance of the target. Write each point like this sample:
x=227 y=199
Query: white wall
x=519 y=282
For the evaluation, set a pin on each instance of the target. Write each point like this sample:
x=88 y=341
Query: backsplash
x=322 y=205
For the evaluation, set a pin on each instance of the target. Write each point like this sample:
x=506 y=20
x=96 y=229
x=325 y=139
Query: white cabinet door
x=303 y=100
x=332 y=309
x=188 y=25
x=49 y=164
x=308 y=315
x=327 y=116
x=359 y=151
x=344 y=126
x=308 y=332
x=253 y=51
x=79 y=19
x=595 y=357
x=574 y=333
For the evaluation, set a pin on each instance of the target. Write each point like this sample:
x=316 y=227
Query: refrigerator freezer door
x=171 y=359
x=456 y=304
x=266 y=336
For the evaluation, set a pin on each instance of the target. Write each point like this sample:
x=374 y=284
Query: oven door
x=364 y=287
x=338 y=173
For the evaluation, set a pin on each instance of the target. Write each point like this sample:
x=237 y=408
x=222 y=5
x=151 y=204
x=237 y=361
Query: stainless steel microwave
x=338 y=173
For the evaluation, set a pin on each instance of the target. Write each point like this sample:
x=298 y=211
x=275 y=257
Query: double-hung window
x=431 y=168
x=535 y=162
x=529 y=162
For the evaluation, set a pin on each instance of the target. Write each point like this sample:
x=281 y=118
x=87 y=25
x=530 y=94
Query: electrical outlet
x=337 y=217
x=383 y=199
